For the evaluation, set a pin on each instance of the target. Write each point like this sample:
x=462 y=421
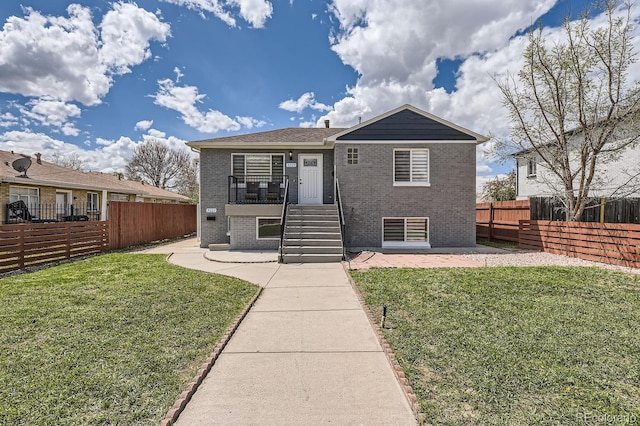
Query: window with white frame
x=257 y=165
x=352 y=155
x=405 y=231
x=93 y=202
x=268 y=228
x=411 y=167
x=30 y=196
x=531 y=168
x=119 y=197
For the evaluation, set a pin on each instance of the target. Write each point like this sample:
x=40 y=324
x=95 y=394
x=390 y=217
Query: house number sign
x=291 y=164
x=211 y=210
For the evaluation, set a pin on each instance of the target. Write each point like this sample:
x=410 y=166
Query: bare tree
x=572 y=107
x=187 y=184
x=71 y=161
x=500 y=188
x=155 y=163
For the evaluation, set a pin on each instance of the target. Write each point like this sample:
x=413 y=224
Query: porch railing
x=343 y=226
x=257 y=189
x=22 y=212
x=283 y=220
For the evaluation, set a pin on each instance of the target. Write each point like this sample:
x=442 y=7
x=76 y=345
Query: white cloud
x=110 y=156
x=255 y=12
x=69 y=58
x=250 y=122
x=184 y=99
x=306 y=100
x=126 y=32
x=50 y=112
x=8 y=120
x=144 y=125
x=394 y=46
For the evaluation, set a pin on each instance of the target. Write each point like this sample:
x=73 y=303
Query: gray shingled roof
x=283 y=136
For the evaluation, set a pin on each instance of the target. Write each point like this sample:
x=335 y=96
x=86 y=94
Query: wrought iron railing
x=257 y=189
x=343 y=226
x=21 y=212
x=283 y=220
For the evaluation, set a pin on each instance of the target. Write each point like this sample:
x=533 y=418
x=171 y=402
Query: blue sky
x=96 y=78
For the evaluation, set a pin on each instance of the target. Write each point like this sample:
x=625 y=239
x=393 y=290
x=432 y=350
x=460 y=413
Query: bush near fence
x=617 y=244
x=498 y=221
x=33 y=244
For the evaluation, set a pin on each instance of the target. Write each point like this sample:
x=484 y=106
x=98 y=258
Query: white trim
x=405 y=142
x=271 y=154
x=400 y=244
x=412 y=182
x=258 y=227
x=320 y=165
x=478 y=137
x=94 y=205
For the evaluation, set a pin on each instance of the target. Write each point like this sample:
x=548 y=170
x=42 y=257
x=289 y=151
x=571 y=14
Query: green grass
x=111 y=339
x=516 y=346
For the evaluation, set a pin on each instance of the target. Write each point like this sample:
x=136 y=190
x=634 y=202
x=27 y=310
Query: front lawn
x=111 y=339
x=517 y=346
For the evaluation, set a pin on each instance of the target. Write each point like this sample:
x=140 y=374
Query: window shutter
x=393 y=230
x=416 y=229
x=402 y=161
x=420 y=165
x=238 y=165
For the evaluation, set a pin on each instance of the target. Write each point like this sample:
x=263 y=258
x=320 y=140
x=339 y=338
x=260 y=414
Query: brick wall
x=243 y=235
x=368 y=193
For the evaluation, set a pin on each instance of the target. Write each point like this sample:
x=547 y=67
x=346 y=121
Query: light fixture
x=290 y=155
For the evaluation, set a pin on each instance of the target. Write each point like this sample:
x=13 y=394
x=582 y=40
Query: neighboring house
x=619 y=178
x=405 y=179
x=53 y=193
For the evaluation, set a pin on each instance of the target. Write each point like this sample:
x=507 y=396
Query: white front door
x=310 y=179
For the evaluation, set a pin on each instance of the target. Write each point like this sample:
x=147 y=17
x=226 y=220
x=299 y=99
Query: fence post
x=602 y=209
x=491 y=221
x=21 y=247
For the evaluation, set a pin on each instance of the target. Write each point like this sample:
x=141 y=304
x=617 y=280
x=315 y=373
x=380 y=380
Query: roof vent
x=326 y=123
x=38 y=158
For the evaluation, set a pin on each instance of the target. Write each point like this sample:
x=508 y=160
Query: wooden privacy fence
x=499 y=221
x=131 y=223
x=613 y=243
x=33 y=244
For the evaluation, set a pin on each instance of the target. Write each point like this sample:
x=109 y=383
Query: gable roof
x=294 y=137
x=49 y=174
x=407 y=123
x=401 y=124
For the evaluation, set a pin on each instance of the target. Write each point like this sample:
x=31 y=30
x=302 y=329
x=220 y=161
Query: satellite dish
x=22 y=165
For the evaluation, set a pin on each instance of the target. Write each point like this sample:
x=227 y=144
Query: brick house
x=402 y=180
x=53 y=193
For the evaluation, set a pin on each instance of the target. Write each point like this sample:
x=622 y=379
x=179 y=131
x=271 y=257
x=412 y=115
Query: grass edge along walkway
x=541 y=345
x=110 y=339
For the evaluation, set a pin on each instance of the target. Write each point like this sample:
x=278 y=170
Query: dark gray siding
x=368 y=193
x=215 y=168
x=406 y=125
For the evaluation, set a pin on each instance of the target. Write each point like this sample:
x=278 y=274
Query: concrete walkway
x=304 y=355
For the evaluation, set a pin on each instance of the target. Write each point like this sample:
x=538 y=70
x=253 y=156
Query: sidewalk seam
x=185 y=397
x=407 y=390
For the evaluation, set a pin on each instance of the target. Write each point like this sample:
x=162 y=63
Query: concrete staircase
x=312 y=234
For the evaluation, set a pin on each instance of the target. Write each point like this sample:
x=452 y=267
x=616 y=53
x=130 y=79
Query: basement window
x=267 y=228
x=405 y=232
